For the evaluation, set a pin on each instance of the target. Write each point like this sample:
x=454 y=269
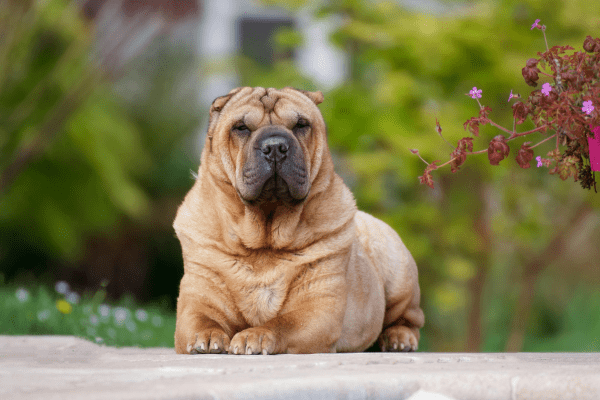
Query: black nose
x=274 y=148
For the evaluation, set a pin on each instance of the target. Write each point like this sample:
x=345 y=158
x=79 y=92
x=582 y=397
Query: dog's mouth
x=274 y=191
x=277 y=189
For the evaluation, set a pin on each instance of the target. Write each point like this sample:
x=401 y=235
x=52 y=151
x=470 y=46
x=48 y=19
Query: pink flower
x=546 y=89
x=539 y=160
x=587 y=107
x=475 y=94
x=535 y=24
x=511 y=95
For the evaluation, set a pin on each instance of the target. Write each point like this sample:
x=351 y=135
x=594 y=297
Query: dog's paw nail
x=216 y=346
x=191 y=349
x=395 y=346
x=264 y=352
x=401 y=346
x=249 y=351
x=202 y=346
x=235 y=350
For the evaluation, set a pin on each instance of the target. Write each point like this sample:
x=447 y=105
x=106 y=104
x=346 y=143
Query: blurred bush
x=86 y=174
x=67 y=146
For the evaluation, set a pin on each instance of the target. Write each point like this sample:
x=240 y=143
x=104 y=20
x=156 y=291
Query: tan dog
x=277 y=259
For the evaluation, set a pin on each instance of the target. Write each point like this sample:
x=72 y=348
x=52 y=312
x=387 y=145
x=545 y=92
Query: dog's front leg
x=206 y=316
x=309 y=322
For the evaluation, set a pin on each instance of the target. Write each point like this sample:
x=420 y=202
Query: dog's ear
x=316 y=97
x=215 y=111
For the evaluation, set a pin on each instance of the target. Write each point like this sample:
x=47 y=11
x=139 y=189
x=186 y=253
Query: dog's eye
x=241 y=128
x=301 y=126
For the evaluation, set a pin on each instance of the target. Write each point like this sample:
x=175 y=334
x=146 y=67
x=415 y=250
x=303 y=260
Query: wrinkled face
x=270 y=141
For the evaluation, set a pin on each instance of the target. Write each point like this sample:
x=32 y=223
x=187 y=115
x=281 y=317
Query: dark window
x=256 y=38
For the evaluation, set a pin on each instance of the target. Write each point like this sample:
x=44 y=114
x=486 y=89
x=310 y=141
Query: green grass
x=43 y=311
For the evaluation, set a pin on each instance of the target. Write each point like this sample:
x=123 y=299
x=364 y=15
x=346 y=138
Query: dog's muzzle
x=275 y=168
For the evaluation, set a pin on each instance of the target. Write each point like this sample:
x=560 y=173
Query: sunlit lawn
x=41 y=310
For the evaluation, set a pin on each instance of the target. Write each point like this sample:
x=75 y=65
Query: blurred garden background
x=103 y=107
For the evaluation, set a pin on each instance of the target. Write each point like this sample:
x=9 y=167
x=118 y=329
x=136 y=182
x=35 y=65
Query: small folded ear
x=215 y=110
x=316 y=97
x=219 y=102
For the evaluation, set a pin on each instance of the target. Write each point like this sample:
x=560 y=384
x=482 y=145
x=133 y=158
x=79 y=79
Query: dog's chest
x=263 y=288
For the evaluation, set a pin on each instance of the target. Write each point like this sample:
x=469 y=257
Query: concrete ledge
x=64 y=367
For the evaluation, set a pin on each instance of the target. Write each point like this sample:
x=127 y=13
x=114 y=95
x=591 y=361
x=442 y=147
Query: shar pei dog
x=277 y=258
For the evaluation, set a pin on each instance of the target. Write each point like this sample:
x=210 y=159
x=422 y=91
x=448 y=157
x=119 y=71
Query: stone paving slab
x=65 y=367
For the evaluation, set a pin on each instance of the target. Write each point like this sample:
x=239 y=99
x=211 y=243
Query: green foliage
x=284 y=73
x=99 y=155
x=288 y=4
x=287 y=39
x=575 y=328
x=166 y=114
x=86 y=155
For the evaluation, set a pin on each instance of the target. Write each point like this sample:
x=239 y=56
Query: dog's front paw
x=398 y=338
x=208 y=341
x=253 y=341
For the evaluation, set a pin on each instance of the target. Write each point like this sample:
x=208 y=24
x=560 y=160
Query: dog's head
x=270 y=142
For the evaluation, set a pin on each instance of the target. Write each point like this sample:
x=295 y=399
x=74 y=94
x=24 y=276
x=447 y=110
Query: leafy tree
x=66 y=147
x=83 y=171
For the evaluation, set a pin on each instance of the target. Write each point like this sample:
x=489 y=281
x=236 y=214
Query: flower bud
x=459 y=154
x=498 y=150
x=520 y=111
x=427 y=179
x=530 y=72
x=591 y=45
x=532 y=62
x=525 y=155
x=459 y=158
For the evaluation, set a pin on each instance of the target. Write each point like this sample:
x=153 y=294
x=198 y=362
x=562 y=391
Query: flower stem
x=516 y=135
x=422 y=159
x=558 y=78
x=545 y=140
x=545 y=40
x=477 y=152
x=449 y=144
x=447 y=162
x=500 y=127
